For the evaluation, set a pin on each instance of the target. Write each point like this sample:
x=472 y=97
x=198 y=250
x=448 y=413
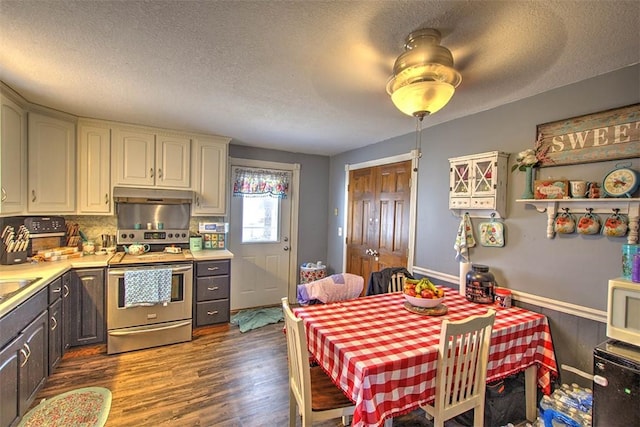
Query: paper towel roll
x=464 y=269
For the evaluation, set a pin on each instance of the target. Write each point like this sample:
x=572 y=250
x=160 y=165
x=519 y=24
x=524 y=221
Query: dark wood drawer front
x=21 y=316
x=212 y=287
x=55 y=290
x=210 y=312
x=213 y=268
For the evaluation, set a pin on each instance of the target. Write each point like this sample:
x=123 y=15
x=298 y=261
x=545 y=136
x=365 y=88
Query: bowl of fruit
x=422 y=293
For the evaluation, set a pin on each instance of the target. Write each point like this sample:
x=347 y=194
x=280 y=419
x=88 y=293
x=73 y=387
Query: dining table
x=383 y=353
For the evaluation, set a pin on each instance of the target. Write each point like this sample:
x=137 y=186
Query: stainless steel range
x=150 y=294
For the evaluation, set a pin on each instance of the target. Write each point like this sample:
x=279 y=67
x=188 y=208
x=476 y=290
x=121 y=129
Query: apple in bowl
x=423 y=302
x=422 y=293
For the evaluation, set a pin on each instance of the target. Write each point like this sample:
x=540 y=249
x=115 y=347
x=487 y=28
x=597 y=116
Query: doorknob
x=286 y=248
x=286 y=239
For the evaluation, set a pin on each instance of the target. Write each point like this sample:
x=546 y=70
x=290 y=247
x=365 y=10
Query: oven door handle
x=120 y=272
x=147 y=330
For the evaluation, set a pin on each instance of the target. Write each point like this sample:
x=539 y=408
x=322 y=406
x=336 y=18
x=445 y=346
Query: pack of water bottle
x=312 y=265
x=569 y=405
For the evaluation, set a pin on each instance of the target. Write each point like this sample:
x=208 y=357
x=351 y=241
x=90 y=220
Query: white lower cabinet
x=51 y=165
x=209 y=169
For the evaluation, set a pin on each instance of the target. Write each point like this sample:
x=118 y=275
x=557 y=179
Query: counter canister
x=214 y=234
x=195 y=243
x=480 y=284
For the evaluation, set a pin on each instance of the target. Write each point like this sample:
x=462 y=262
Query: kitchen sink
x=9 y=287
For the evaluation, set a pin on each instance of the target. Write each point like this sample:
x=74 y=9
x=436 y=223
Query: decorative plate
x=438 y=310
x=621 y=182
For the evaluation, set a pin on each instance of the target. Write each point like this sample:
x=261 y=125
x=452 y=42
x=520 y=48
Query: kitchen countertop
x=47 y=271
x=50 y=270
x=209 y=254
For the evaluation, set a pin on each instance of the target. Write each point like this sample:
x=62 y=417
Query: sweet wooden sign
x=608 y=135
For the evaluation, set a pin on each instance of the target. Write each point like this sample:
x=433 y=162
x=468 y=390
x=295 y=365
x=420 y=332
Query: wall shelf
x=626 y=206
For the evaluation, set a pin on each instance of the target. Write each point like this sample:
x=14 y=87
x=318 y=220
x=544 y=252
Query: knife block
x=10 y=258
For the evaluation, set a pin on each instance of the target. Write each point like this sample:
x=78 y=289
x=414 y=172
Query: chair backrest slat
x=396 y=284
x=463 y=358
x=299 y=373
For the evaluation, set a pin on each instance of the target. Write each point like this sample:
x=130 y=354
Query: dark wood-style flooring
x=221 y=378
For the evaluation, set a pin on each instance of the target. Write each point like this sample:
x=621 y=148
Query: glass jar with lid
x=480 y=285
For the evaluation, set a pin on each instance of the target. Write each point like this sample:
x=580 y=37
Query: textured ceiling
x=301 y=76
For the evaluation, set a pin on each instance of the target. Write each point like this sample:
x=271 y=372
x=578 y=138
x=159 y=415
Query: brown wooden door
x=378 y=218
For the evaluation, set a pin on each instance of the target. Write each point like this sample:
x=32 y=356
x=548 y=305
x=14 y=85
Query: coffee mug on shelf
x=578 y=189
x=564 y=223
x=589 y=224
x=615 y=225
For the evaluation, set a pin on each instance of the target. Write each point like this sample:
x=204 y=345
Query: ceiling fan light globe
x=422 y=98
x=423 y=79
x=436 y=55
x=425 y=72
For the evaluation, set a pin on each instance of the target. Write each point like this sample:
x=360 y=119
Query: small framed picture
x=550 y=189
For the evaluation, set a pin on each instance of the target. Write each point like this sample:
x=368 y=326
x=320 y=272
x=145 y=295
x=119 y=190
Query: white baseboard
x=527 y=298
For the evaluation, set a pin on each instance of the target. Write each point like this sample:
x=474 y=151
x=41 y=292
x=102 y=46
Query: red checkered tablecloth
x=384 y=357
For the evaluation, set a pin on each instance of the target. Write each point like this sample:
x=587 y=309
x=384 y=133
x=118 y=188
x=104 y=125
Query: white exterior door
x=260 y=230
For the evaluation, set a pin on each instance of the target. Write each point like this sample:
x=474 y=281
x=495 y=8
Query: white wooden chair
x=396 y=284
x=461 y=375
x=312 y=394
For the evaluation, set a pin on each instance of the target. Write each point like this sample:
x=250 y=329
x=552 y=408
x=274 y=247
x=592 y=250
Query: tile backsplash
x=93 y=226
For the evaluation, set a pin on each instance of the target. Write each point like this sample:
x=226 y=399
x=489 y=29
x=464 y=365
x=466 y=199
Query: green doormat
x=257 y=318
x=86 y=407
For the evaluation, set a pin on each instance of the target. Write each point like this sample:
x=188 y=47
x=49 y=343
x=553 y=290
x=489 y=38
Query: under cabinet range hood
x=151 y=215
x=152 y=196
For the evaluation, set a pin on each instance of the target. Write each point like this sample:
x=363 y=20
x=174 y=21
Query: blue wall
x=571 y=268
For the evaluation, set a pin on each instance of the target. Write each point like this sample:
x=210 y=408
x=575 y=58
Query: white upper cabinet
x=479 y=182
x=173 y=161
x=141 y=157
x=52 y=165
x=133 y=157
x=94 y=169
x=13 y=153
x=210 y=176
